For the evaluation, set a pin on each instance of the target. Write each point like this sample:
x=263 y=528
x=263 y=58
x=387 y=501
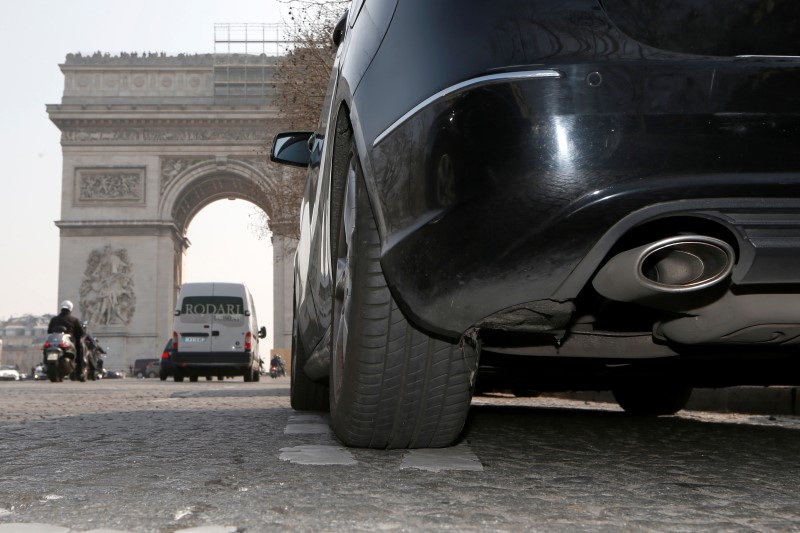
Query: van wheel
x=248 y=375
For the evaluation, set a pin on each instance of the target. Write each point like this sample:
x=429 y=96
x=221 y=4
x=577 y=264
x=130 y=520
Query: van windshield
x=226 y=309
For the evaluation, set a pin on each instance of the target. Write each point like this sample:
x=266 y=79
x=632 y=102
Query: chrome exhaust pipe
x=652 y=273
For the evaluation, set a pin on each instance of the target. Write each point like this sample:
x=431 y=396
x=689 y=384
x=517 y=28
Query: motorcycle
x=93 y=354
x=59 y=356
x=277 y=370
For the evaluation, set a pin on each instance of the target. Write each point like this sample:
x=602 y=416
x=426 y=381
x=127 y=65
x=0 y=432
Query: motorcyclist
x=277 y=363
x=70 y=324
x=94 y=354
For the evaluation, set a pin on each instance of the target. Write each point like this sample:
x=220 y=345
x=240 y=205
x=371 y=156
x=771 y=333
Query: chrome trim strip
x=474 y=82
x=757 y=56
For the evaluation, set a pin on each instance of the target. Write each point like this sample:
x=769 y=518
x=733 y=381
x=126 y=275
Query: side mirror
x=262 y=333
x=292 y=148
x=337 y=35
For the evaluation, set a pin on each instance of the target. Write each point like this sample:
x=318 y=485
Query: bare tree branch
x=300 y=80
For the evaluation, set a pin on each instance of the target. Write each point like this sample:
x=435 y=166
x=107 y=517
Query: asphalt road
x=149 y=456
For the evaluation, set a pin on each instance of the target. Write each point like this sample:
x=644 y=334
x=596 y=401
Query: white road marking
x=32 y=528
x=47 y=528
x=102 y=530
x=459 y=457
x=318 y=454
x=295 y=429
x=308 y=419
x=210 y=529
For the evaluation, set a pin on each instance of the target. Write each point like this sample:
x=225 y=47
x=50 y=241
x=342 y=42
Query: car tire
x=652 y=400
x=163 y=375
x=304 y=394
x=391 y=385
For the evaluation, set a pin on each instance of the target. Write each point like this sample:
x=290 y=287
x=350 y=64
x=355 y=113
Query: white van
x=215 y=332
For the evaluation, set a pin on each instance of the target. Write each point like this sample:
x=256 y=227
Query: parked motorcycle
x=59 y=356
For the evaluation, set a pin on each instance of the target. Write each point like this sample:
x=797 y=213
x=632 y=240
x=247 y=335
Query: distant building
x=21 y=340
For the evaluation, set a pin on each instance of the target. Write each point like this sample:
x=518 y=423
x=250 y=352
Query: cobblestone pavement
x=149 y=456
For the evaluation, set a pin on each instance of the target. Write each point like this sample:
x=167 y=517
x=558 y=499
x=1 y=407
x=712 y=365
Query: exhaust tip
x=685 y=263
x=673 y=266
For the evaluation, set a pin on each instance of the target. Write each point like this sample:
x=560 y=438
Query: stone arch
x=202 y=183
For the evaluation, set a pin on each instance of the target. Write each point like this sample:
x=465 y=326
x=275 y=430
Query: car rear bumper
x=210 y=363
x=514 y=191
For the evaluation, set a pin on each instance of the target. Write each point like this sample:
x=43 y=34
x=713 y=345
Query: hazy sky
x=37 y=35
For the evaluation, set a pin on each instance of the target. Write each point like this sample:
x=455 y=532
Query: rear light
x=175 y=340
x=164 y=355
x=62 y=345
x=46 y=345
x=248 y=341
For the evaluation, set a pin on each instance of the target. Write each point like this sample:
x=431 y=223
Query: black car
x=139 y=367
x=550 y=195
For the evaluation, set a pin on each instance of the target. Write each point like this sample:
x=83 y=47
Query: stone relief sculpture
x=110 y=186
x=107 y=294
x=172 y=167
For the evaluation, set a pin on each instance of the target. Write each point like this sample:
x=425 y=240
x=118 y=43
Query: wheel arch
x=340 y=161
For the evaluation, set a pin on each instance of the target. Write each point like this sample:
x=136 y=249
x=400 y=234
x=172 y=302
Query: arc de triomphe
x=147 y=142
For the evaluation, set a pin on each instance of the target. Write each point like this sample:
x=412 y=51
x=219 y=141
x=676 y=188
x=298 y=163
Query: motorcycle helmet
x=66 y=304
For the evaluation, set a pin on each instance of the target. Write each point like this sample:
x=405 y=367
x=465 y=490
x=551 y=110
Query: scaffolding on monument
x=244 y=59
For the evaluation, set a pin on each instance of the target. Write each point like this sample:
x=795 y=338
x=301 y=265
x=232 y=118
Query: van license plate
x=194 y=339
x=52 y=356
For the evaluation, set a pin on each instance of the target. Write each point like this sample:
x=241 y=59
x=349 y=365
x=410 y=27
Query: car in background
x=590 y=194
x=153 y=370
x=113 y=374
x=166 y=368
x=9 y=373
x=139 y=369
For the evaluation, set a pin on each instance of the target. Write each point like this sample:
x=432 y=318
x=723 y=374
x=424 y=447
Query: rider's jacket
x=71 y=324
